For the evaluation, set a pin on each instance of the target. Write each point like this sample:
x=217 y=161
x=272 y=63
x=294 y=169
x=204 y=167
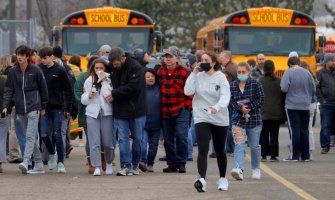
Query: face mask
x=205 y=66
x=242 y=77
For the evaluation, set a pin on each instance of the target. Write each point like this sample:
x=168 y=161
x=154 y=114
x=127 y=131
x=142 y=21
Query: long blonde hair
x=5 y=62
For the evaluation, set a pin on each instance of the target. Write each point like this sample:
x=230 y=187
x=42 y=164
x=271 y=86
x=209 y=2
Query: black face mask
x=205 y=66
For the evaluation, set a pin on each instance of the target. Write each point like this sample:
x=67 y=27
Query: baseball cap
x=171 y=52
x=293 y=54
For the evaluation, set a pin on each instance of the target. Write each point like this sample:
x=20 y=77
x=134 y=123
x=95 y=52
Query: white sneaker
x=52 y=163
x=109 y=169
x=97 y=172
x=237 y=174
x=222 y=184
x=38 y=169
x=61 y=168
x=200 y=185
x=256 y=174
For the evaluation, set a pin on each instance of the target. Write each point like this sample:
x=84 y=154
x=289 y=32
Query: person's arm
x=190 y=85
x=233 y=98
x=85 y=97
x=9 y=92
x=136 y=82
x=318 y=86
x=67 y=89
x=258 y=96
x=224 y=94
x=285 y=82
x=43 y=88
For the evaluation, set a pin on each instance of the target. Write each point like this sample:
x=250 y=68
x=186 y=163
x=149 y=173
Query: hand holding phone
x=4 y=113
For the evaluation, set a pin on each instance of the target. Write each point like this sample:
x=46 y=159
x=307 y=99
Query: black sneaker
x=162 y=158
x=182 y=169
x=274 y=159
x=324 y=150
x=264 y=159
x=200 y=185
x=170 y=169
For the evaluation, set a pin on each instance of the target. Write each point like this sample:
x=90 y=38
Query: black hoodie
x=58 y=84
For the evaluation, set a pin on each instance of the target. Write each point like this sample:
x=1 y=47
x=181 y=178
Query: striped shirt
x=172 y=87
x=253 y=97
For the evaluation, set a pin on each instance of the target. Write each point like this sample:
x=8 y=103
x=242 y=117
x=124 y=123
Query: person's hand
x=109 y=98
x=196 y=68
x=42 y=113
x=213 y=110
x=91 y=95
x=4 y=113
x=245 y=109
x=103 y=76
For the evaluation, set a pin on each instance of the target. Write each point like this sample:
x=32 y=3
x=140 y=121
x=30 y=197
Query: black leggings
x=204 y=131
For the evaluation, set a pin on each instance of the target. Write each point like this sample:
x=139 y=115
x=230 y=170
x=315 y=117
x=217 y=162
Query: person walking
x=129 y=107
x=31 y=97
x=99 y=116
x=210 y=107
x=247 y=98
x=152 y=128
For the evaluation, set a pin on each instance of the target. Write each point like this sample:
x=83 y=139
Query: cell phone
x=3 y=115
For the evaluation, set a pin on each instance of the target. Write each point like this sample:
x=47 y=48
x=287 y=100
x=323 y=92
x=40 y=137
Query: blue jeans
x=53 y=116
x=152 y=137
x=327 y=113
x=175 y=137
x=20 y=134
x=135 y=127
x=191 y=138
x=240 y=136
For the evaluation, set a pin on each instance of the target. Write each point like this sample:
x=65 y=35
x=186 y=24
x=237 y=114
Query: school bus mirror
x=322 y=41
x=218 y=33
x=159 y=39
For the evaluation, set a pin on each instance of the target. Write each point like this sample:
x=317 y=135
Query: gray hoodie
x=298 y=84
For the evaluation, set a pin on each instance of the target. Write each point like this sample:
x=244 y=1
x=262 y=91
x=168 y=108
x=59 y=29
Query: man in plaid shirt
x=175 y=112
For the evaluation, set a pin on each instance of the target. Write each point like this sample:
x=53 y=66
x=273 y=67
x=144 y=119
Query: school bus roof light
x=80 y=20
x=240 y=20
x=134 y=21
x=141 y=21
x=304 y=21
x=73 y=21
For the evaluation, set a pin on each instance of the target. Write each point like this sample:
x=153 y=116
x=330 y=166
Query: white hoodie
x=209 y=91
x=97 y=104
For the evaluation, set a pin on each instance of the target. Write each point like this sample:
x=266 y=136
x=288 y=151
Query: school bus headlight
x=80 y=21
x=73 y=21
x=297 y=21
x=134 y=21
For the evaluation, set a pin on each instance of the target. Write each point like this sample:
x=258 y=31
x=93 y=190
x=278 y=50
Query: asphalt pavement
x=280 y=180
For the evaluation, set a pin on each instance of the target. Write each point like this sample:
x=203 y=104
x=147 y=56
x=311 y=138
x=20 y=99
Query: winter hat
x=328 y=57
x=139 y=53
x=293 y=54
x=191 y=59
x=105 y=48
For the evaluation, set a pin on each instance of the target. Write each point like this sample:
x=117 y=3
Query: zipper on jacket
x=24 y=96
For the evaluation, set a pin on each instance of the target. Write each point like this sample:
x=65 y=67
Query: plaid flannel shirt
x=253 y=96
x=172 y=88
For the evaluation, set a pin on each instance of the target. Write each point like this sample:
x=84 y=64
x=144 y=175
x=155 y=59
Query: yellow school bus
x=274 y=32
x=85 y=31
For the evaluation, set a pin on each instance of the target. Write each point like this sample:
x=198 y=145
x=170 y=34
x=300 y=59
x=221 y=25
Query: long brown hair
x=214 y=58
x=94 y=75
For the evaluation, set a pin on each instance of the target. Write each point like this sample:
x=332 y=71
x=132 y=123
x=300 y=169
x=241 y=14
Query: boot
x=90 y=167
x=103 y=161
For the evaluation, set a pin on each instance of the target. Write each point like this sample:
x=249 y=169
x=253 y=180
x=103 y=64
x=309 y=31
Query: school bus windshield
x=88 y=40
x=270 y=41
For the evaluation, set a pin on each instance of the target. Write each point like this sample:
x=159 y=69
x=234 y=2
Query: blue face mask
x=242 y=77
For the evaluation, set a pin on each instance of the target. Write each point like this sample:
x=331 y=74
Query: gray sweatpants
x=100 y=129
x=29 y=123
x=4 y=127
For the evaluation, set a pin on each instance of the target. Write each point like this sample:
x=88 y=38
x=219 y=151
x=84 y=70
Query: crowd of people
x=212 y=101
